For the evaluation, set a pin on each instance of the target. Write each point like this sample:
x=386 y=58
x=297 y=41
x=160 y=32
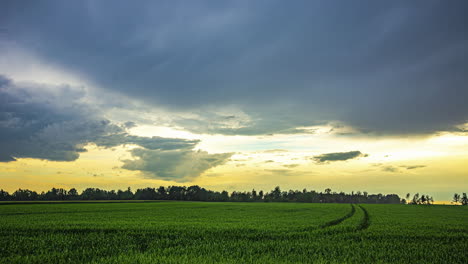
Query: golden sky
x=433 y=164
x=235 y=96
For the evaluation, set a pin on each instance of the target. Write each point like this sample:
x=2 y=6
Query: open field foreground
x=201 y=232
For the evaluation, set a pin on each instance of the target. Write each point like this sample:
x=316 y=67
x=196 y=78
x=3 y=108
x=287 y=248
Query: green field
x=203 y=232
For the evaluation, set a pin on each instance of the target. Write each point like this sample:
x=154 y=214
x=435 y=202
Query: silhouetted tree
x=55 y=195
x=456 y=198
x=4 y=195
x=464 y=199
x=416 y=199
x=72 y=194
x=197 y=193
x=276 y=194
x=125 y=195
x=224 y=196
x=254 y=195
x=146 y=194
x=423 y=199
x=260 y=195
x=25 y=195
x=162 y=194
x=176 y=192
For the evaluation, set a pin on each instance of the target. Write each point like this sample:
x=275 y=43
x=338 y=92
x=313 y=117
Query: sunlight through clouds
x=202 y=94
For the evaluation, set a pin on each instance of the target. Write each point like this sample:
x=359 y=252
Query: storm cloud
x=43 y=122
x=338 y=156
x=392 y=67
x=55 y=123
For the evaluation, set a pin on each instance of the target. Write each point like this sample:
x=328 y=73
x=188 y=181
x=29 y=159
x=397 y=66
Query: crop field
x=203 y=232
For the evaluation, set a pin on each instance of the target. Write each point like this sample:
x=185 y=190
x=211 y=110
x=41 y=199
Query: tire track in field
x=339 y=220
x=365 y=222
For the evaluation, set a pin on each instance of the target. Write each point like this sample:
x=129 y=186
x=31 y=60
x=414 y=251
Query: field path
x=354 y=221
x=365 y=222
x=339 y=220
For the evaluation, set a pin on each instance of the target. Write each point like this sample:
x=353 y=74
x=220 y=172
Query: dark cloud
x=412 y=167
x=48 y=123
x=6 y=158
x=56 y=124
x=338 y=156
x=381 y=66
x=174 y=164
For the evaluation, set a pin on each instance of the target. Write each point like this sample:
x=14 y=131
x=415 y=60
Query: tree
x=125 y=195
x=94 y=194
x=456 y=198
x=464 y=199
x=4 y=195
x=72 y=194
x=55 y=194
x=176 y=192
x=162 y=194
x=224 y=196
x=146 y=194
x=25 y=195
x=423 y=199
x=391 y=199
x=276 y=193
x=416 y=199
x=254 y=195
x=197 y=193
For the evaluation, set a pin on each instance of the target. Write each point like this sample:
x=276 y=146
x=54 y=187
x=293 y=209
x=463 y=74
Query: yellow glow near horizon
x=399 y=165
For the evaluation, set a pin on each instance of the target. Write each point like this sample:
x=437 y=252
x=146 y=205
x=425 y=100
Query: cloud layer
x=381 y=66
x=47 y=122
x=55 y=123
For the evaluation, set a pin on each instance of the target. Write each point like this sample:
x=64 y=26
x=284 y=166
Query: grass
x=198 y=232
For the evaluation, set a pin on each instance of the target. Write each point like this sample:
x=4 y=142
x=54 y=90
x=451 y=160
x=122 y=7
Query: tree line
x=460 y=199
x=419 y=199
x=197 y=193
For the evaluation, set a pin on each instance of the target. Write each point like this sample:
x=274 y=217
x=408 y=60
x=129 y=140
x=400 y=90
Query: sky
x=234 y=95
